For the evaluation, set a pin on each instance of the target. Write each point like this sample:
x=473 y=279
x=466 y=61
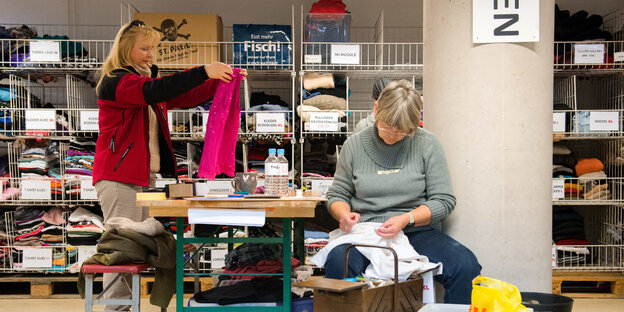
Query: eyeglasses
x=134 y=23
x=409 y=133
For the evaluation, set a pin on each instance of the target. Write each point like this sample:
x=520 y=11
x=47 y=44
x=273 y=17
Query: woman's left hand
x=243 y=72
x=392 y=226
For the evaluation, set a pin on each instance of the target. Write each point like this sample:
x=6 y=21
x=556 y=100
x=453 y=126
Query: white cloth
x=149 y=226
x=382 y=260
x=82 y=214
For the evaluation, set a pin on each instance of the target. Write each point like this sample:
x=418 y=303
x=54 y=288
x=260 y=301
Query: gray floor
x=70 y=305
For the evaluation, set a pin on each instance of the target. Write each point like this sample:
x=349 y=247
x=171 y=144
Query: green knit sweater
x=380 y=181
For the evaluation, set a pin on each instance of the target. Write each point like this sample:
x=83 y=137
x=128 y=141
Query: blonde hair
x=399 y=106
x=119 y=55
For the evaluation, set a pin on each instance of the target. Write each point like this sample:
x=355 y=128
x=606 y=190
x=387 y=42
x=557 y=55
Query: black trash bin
x=542 y=302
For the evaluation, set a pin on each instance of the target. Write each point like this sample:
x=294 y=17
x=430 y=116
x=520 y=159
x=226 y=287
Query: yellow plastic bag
x=492 y=295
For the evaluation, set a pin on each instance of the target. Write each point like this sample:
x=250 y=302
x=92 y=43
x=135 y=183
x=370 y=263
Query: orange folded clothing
x=587 y=165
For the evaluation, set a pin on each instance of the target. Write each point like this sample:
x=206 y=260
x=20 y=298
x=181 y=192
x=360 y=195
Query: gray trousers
x=119 y=200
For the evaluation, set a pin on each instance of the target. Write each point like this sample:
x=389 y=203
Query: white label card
x=40 y=119
x=313 y=59
x=603 y=121
x=205 y=121
x=162 y=183
x=87 y=190
x=37 y=258
x=270 y=122
x=170 y=121
x=45 y=51
x=505 y=21
x=554 y=255
x=559 y=120
x=36 y=189
x=217 y=258
x=227 y=217
x=618 y=56
x=203 y=188
x=345 y=54
x=589 y=53
x=89 y=120
x=323 y=121
x=85 y=252
x=558 y=189
x=321 y=186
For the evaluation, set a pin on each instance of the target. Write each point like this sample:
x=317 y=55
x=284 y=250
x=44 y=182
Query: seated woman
x=396 y=174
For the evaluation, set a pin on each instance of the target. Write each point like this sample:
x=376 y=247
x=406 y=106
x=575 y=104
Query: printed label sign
x=217 y=258
x=554 y=255
x=37 y=258
x=321 y=186
x=162 y=183
x=45 y=51
x=87 y=190
x=40 y=119
x=559 y=120
x=345 y=54
x=276 y=169
x=205 y=121
x=558 y=189
x=170 y=121
x=618 y=56
x=505 y=21
x=84 y=252
x=603 y=121
x=323 y=121
x=270 y=122
x=589 y=53
x=313 y=58
x=203 y=188
x=89 y=121
x=36 y=189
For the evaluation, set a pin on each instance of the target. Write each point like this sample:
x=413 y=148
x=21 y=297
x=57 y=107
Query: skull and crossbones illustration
x=170 y=31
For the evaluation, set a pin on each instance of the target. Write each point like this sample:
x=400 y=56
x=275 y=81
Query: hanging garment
x=222 y=130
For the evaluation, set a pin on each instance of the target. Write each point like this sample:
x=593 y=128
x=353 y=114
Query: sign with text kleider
x=559 y=120
x=323 y=121
x=505 y=21
x=45 y=51
x=558 y=189
x=603 y=121
x=89 y=120
x=37 y=258
x=218 y=186
x=40 y=119
x=270 y=122
x=345 y=54
x=87 y=190
x=36 y=189
x=589 y=53
x=321 y=186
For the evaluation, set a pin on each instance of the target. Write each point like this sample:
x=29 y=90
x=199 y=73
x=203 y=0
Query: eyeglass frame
x=137 y=23
x=405 y=135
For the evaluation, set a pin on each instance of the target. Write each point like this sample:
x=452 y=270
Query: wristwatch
x=411 y=217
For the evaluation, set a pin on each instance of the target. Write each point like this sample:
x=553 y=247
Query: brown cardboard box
x=187 y=39
x=331 y=295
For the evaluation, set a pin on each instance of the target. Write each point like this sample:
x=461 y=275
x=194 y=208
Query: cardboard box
x=332 y=295
x=188 y=40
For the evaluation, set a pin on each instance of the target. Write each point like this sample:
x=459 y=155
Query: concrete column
x=491 y=107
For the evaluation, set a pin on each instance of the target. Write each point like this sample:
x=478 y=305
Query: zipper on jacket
x=123 y=156
x=111 y=146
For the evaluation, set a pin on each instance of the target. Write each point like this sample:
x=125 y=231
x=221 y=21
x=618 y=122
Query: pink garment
x=222 y=130
x=54 y=216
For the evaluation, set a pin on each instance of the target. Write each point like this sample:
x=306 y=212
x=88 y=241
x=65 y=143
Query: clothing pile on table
x=84 y=227
x=569 y=238
x=323 y=93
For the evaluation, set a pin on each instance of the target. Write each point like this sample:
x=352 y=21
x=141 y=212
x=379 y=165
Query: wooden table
x=285 y=208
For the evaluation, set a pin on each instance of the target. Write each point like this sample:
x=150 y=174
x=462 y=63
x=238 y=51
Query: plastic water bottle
x=271 y=173
x=282 y=180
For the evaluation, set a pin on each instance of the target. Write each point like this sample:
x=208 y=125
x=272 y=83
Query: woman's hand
x=348 y=220
x=392 y=226
x=221 y=71
x=243 y=72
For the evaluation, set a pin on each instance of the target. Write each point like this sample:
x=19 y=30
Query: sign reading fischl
x=40 y=119
x=505 y=21
x=45 y=51
x=89 y=121
x=323 y=121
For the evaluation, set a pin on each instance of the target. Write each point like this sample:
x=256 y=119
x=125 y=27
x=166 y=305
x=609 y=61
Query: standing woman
x=134 y=141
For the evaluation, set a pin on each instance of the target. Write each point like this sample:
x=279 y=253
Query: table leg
x=179 y=264
x=286 y=245
x=299 y=240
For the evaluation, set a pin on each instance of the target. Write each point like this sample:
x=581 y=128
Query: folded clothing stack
x=84 y=227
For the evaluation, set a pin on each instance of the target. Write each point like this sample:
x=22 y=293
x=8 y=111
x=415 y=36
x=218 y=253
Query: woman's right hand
x=218 y=70
x=348 y=220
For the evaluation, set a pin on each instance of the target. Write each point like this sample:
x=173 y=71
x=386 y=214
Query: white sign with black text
x=89 y=120
x=217 y=258
x=604 y=121
x=558 y=189
x=323 y=121
x=345 y=54
x=170 y=121
x=40 y=119
x=87 y=190
x=321 y=186
x=219 y=186
x=37 y=258
x=36 y=189
x=270 y=122
x=559 y=120
x=589 y=53
x=505 y=21
x=313 y=59
x=85 y=252
x=45 y=51
x=618 y=56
